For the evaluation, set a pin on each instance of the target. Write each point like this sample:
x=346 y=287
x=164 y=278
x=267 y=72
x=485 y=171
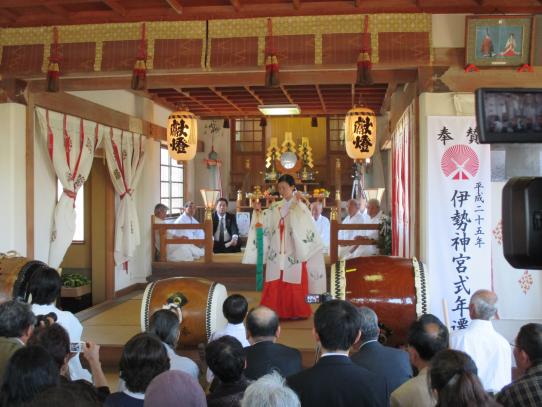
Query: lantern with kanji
x=360 y=133
x=182 y=135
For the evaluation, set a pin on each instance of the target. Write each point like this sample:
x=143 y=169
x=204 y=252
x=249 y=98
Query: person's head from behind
x=160 y=211
x=30 y=371
x=353 y=206
x=56 y=341
x=164 y=324
x=369 y=324
x=454 y=378
x=16 y=320
x=226 y=358
x=483 y=305
x=528 y=349
x=221 y=206
x=143 y=358
x=286 y=186
x=270 y=391
x=426 y=337
x=373 y=207
x=45 y=286
x=262 y=324
x=336 y=325
x=173 y=389
x=316 y=209
x=235 y=308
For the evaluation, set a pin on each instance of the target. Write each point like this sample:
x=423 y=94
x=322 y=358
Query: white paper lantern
x=360 y=133
x=182 y=135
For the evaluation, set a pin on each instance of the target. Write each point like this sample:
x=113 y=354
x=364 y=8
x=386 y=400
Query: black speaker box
x=522 y=222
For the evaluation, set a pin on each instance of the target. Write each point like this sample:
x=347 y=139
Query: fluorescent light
x=279 y=110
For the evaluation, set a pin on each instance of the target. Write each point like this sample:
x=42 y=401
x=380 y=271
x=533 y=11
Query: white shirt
x=186 y=219
x=371 y=234
x=344 y=251
x=227 y=237
x=489 y=350
x=238 y=331
x=323 y=227
x=74 y=328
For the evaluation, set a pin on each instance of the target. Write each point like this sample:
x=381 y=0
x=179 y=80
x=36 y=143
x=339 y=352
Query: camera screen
x=509 y=115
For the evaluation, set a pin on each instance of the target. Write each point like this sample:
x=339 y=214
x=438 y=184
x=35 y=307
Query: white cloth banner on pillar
x=519 y=290
x=459 y=215
x=125 y=155
x=71 y=143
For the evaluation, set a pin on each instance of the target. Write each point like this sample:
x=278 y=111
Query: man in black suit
x=265 y=355
x=393 y=364
x=335 y=380
x=225 y=231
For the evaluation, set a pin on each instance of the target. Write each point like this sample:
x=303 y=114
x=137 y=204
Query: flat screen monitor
x=509 y=115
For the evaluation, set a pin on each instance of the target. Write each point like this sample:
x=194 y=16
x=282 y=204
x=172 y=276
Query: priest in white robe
x=373 y=217
x=321 y=223
x=354 y=217
x=187 y=218
x=175 y=252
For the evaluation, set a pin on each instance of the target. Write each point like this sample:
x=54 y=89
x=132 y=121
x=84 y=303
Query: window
x=171 y=182
x=79 y=235
x=336 y=133
x=248 y=136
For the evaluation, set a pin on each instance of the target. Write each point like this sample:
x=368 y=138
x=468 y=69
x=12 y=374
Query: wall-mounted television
x=507 y=115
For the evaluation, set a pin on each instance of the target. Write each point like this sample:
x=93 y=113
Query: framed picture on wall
x=498 y=40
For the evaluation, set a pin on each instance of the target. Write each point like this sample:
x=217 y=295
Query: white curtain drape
x=125 y=155
x=71 y=143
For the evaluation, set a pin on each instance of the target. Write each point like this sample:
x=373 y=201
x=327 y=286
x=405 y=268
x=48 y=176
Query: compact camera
x=318 y=298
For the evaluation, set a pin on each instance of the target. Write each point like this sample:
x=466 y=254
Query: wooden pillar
x=109 y=241
x=163 y=246
x=30 y=177
x=208 y=232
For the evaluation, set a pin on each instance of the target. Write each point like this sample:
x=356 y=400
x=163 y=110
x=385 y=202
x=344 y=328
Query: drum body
x=394 y=287
x=15 y=275
x=202 y=313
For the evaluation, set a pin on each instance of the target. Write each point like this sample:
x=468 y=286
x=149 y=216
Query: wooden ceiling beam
x=296 y=4
x=321 y=97
x=190 y=97
x=357 y=3
x=10 y=16
x=116 y=7
x=57 y=9
x=386 y=103
x=176 y=5
x=287 y=95
x=227 y=100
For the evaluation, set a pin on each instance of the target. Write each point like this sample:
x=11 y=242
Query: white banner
x=519 y=290
x=459 y=215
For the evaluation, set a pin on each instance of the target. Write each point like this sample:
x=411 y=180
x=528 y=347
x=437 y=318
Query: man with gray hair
x=321 y=223
x=490 y=351
x=390 y=363
x=188 y=218
x=373 y=217
x=16 y=325
x=354 y=217
x=270 y=391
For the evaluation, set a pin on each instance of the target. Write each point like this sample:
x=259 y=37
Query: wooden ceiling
x=239 y=101
x=27 y=13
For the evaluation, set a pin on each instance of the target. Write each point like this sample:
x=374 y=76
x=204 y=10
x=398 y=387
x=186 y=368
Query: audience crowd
x=41 y=354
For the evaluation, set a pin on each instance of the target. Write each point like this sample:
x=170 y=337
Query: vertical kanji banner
x=459 y=215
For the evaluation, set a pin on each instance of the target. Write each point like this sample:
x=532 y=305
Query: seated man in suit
x=265 y=355
x=393 y=364
x=335 y=380
x=225 y=231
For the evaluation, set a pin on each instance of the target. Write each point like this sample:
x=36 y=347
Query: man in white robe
x=175 y=252
x=187 y=218
x=373 y=217
x=322 y=224
x=354 y=217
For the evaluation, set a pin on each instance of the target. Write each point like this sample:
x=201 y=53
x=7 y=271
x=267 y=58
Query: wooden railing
x=335 y=242
x=162 y=229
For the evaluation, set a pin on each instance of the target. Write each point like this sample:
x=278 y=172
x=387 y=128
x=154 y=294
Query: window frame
x=254 y=130
x=168 y=200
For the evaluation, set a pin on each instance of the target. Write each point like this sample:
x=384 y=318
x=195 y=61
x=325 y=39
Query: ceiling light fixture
x=279 y=110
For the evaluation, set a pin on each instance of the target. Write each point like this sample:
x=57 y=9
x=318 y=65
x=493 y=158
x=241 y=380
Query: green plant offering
x=384 y=236
x=73 y=280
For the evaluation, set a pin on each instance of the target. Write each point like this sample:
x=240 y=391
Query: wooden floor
x=113 y=325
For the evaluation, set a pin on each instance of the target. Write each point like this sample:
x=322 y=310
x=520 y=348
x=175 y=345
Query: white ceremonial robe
x=71 y=324
x=323 y=229
x=344 y=251
x=175 y=252
x=302 y=243
x=490 y=351
x=184 y=219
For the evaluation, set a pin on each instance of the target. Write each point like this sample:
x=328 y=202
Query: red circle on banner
x=460 y=162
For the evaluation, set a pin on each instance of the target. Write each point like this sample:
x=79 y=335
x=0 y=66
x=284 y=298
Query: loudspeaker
x=522 y=222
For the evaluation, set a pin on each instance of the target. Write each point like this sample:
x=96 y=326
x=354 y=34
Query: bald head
x=483 y=305
x=262 y=322
x=373 y=207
